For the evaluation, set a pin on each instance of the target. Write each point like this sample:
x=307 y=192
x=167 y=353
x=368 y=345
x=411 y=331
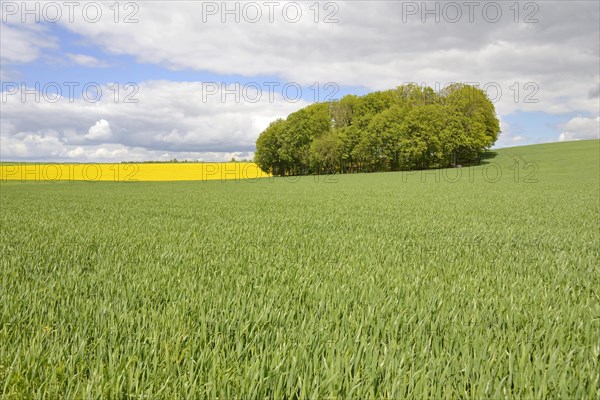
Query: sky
x=156 y=80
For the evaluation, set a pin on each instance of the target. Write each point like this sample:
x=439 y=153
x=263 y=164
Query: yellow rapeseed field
x=130 y=172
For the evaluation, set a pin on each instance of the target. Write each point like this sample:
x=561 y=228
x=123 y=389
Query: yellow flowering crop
x=130 y=172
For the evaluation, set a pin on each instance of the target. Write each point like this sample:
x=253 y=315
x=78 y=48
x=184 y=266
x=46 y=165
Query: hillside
x=383 y=284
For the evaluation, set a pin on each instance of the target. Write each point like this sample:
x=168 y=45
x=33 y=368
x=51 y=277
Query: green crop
x=384 y=285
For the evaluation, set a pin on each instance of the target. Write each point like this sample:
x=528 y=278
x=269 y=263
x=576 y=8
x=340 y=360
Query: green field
x=350 y=286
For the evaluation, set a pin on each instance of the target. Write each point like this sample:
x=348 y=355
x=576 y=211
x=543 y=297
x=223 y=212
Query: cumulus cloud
x=581 y=128
x=548 y=65
x=100 y=131
x=26 y=143
x=170 y=120
x=37 y=147
x=376 y=45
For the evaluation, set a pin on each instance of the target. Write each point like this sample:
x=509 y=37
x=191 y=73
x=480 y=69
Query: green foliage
x=326 y=152
x=294 y=138
x=342 y=111
x=268 y=159
x=404 y=128
x=389 y=285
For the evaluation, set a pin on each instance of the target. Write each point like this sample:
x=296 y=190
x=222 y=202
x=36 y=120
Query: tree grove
x=410 y=127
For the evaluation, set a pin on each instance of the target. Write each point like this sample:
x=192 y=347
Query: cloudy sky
x=93 y=81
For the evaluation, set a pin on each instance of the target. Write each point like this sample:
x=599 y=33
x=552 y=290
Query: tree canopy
x=410 y=127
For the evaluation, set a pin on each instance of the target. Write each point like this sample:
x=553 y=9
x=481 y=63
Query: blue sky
x=171 y=55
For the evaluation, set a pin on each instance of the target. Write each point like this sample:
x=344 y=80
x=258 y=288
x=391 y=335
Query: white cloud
x=23 y=43
x=37 y=147
x=27 y=143
x=370 y=46
x=100 y=131
x=170 y=120
x=86 y=60
x=581 y=128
